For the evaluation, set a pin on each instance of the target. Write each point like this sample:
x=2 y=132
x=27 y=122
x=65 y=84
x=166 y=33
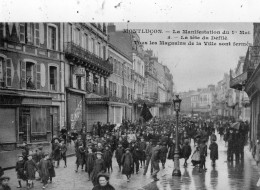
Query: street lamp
x=177 y=105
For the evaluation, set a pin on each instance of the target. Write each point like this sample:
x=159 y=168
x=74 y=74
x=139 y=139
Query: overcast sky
x=196 y=66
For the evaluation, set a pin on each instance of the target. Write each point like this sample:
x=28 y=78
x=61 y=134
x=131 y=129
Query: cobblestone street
x=225 y=175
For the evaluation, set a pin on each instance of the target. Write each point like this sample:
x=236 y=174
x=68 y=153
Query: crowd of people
x=134 y=145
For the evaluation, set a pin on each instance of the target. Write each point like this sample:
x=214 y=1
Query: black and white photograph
x=99 y=103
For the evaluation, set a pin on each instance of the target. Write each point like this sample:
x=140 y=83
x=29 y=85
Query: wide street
x=225 y=175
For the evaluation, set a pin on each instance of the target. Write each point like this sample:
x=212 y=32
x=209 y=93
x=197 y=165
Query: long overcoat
x=90 y=160
x=119 y=154
x=213 y=147
x=30 y=167
x=127 y=162
x=99 y=166
x=44 y=167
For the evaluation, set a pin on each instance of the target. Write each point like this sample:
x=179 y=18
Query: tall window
x=98 y=49
x=52 y=38
x=1 y=70
x=29 y=36
x=53 y=78
x=37 y=34
x=69 y=32
x=93 y=46
x=77 y=36
x=104 y=52
x=22 y=32
x=78 y=80
x=29 y=75
x=86 y=41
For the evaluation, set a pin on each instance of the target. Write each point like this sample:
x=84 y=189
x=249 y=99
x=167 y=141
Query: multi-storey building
x=249 y=81
x=120 y=83
x=87 y=70
x=32 y=94
x=130 y=45
x=151 y=82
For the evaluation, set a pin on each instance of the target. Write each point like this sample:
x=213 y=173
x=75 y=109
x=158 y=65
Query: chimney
x=111 y=27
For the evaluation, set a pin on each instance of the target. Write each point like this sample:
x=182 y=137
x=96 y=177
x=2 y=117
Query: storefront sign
x=79 y=71
x=10 y=100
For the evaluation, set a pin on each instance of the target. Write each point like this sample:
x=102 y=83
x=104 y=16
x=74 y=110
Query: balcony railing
x=75 y=51
x=99 y=90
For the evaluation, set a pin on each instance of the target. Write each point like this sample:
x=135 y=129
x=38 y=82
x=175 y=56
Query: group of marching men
x=142 y=146
x=134 y=146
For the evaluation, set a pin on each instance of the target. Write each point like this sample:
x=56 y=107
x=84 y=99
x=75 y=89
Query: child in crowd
x=30 y=168
x=20 y=170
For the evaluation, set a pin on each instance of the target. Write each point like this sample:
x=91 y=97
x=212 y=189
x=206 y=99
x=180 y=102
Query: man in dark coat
x=56 y=151
x=107 y=157
x=136 y=157
x=142 y=147
x=163 y=153
x=127 y=163
x=119 y=154
x=213 y=147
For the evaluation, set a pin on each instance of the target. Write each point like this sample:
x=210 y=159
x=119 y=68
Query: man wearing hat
x=4 y=183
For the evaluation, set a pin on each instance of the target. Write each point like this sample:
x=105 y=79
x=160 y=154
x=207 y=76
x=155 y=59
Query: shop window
x=53 y=78
x=52 y=37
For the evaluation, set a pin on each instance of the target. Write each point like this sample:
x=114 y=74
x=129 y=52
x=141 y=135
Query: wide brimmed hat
x=99 y=153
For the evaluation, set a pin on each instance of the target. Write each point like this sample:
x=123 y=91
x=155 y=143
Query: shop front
x=24 y=118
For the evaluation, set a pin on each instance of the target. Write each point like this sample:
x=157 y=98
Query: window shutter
x=38 y=76
x=82 y=83
x=22 y=32
x=74 y=82
x=23 y=75
x=37 y=34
